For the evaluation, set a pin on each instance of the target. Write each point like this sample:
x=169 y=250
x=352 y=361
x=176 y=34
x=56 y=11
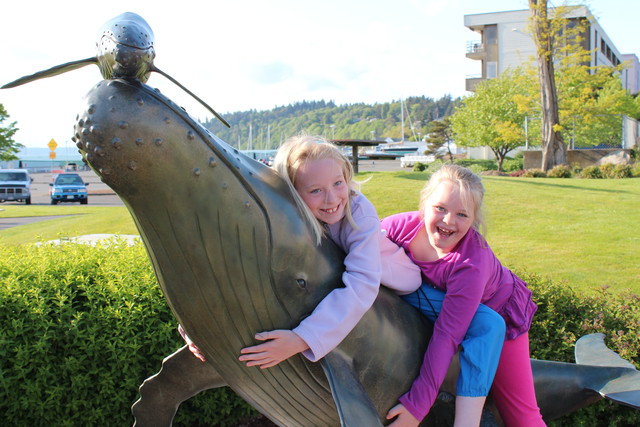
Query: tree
x=8 y=147
x=440 y=136
x=554 y=150
x=591 y=104
x=493 y=116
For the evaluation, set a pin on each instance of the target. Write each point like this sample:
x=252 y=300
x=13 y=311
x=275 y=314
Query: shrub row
x=476 y=165
x=81 y=327
x=513 y=167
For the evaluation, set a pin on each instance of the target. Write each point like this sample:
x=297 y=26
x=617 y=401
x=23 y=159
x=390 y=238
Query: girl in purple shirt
x=443 y=240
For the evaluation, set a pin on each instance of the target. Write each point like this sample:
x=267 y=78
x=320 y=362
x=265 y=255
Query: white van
x=15 y=185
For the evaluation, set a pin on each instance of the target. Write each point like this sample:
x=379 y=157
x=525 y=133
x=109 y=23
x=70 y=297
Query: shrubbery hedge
x=81 y=327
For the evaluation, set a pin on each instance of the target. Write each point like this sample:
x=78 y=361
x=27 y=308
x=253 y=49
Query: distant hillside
x=267 y=129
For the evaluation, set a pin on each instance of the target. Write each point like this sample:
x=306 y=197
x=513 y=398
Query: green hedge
x=563 y=316
x=81 y=327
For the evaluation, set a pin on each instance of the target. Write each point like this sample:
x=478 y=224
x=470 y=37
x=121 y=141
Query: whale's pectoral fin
x=353 y=404
x=181 y=377
x=53 y=71
x=623 y=385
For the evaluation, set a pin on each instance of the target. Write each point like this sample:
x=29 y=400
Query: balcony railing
x=475 y=47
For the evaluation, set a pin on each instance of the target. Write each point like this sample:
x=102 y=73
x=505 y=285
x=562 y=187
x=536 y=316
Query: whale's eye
x=302 y=283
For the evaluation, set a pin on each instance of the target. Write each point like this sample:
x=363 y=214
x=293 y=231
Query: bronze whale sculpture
x=234 y=256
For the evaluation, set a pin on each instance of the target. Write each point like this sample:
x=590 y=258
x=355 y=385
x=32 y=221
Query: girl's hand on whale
x=192 y=347
x=403 y=418
x=280 y=345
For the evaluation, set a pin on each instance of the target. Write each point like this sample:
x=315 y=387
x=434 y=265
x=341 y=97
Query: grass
x=583 y=232
x=74 y=220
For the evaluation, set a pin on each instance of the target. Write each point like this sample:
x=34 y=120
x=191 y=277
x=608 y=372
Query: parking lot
x=99 y=193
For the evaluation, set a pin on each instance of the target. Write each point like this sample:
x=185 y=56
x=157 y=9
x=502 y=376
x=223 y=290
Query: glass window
x=491 y=34
x=492 y=69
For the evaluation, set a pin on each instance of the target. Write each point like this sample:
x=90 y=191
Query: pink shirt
x=370 y=259
x=470 y=274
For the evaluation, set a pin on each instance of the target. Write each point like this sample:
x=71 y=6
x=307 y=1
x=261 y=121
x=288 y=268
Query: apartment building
x=505 y=41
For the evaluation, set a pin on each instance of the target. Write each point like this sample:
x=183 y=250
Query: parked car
x=15 y=185
x=68 y=187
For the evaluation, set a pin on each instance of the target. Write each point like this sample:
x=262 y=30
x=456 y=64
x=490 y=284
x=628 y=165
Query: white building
x=505 y=42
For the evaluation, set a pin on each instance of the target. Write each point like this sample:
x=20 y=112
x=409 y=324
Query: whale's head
x=125 y=48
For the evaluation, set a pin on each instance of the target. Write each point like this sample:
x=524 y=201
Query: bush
x=607 y=170
x=576 y=169
x=512 y=165
x=81 y=327
x=419 y=167
x=635 y=170
x=560 y=171
x=563 y=316
x=517 y=173
x=477 y=165
x=534 y=173
x=616 y=171
x=591 y=172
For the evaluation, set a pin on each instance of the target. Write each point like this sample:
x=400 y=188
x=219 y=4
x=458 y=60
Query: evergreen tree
x=8 y=147
x=440 y=137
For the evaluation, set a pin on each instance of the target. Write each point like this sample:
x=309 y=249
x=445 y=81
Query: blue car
x=68 y=187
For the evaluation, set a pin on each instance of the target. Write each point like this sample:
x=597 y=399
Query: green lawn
x=75 y=220
x=581 y=231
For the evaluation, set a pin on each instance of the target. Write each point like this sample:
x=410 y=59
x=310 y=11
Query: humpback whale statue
x=234 y=256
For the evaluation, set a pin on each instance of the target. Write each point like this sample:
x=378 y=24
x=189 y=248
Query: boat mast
x=401 y=120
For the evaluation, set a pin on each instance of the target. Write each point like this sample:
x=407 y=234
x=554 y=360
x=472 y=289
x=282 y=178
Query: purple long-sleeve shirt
x=370 y=259
x=470 y=274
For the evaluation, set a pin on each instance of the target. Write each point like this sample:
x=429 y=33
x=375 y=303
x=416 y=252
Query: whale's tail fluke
x=623 y=388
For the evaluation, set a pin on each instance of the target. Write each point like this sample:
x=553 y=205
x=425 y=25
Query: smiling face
x=446 y=218
x=322 y=186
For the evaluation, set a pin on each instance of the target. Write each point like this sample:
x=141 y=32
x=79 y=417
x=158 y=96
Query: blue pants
x=481 y=346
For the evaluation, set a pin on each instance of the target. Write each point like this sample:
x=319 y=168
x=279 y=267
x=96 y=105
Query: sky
x=258 y=54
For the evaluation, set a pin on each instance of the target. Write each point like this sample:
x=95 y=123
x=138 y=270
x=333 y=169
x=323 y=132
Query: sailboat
x=395 y=149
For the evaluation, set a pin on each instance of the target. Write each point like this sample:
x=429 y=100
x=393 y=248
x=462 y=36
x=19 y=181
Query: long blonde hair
x=469 y=185
x=297 y=150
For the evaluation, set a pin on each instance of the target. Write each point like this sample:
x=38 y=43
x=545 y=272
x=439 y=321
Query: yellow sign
x=52 y=154
x=52 y=145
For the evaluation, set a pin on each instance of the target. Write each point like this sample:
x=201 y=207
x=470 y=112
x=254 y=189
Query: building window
x=491 y=34
x=492 y=69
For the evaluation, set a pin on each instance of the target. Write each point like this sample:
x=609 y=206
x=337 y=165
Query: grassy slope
x=581 y=231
